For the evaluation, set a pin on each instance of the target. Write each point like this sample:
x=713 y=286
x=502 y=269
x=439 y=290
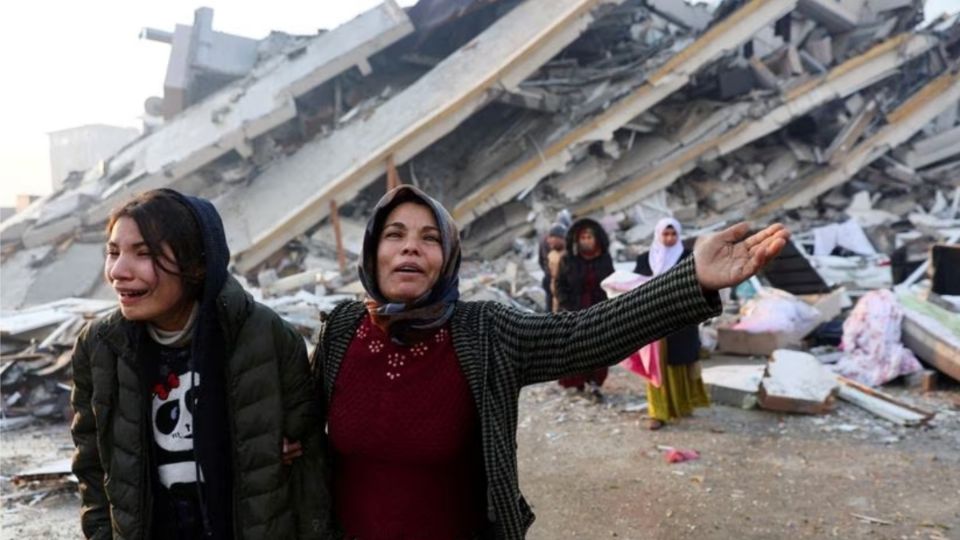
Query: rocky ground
x=594 y=471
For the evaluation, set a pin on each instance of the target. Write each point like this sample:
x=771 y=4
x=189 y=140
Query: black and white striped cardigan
x=501 y=350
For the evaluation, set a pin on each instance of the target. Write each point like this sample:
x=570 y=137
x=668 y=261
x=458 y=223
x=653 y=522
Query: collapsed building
x=838 y=117
x=509 y=111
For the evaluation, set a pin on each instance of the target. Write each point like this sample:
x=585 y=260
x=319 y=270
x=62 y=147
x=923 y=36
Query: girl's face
x=586 y=241
x=668 y=237
x=409 y=253
x=146 y=291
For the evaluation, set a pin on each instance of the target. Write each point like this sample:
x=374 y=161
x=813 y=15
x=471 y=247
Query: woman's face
x=409 y=253
x=668 y=237
x=146 y=292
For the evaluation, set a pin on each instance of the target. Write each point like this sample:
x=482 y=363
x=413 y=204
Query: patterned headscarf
x=662 y=258
x=406 y=322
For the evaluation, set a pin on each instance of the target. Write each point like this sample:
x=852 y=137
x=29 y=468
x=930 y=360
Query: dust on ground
x=593 y=471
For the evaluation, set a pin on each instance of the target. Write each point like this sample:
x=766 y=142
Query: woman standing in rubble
x=681 y=386
x=195 y=413
x=422 y=389
x=584 y=266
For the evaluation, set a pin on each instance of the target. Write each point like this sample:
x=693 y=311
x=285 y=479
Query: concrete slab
x=294 y=195
x=668 y=78
x=16 y=274
x=74 y=273
x=845 y=79
x=797 y=382
x=250 y=107
x=735 y=385
x=903 y=123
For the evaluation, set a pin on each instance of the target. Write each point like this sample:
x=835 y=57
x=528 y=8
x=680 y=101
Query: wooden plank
x=925 y=380
x=393 y=177
x=881 y=404
x=338 y=236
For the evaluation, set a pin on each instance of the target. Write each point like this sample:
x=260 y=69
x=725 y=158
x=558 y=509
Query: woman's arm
x=546 y=347
x=94 y=510
x=303 y=424
x=549 y=346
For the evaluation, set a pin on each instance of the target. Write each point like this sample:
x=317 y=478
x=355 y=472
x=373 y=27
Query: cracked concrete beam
x=673 y=75
x=851 y=133
x=259 y=102
x=880 y=62
x=932 y=149
x=834 y=15
x=905 y=121
x=293 y=195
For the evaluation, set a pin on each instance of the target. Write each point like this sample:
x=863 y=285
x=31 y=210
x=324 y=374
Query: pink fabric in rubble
x=646 y=363
x=873 y=353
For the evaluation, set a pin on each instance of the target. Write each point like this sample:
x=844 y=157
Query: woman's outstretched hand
x=729 y=257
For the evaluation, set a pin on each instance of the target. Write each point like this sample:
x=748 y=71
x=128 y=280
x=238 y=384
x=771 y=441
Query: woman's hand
x=727 y=258
x=291 y=451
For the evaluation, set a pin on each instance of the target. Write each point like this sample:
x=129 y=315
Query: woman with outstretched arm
x=422 y=388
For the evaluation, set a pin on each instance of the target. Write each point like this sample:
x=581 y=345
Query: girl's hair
x=164 y=219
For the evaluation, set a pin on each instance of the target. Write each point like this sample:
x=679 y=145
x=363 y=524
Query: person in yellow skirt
x=681 y=389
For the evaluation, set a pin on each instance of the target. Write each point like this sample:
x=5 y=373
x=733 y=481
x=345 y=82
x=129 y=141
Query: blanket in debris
x=873 y=352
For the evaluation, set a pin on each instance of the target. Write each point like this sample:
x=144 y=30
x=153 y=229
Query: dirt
x=593 y=471
x=40 y=509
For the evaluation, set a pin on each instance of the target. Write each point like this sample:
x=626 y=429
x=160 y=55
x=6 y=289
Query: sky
x=69 y=63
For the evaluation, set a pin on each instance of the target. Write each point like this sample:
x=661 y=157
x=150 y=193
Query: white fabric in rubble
x=621 y=282
x=862 y=211
x=774 y=310
x=848 y=235
x=872 y=351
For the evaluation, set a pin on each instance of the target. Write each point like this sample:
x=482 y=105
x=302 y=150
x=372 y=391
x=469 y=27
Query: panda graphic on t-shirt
x=172 y=418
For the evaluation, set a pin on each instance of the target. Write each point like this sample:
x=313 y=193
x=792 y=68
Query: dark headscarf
x=208 y=358
x=405 y=322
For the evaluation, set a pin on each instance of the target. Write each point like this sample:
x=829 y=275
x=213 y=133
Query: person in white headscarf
x=681 y=389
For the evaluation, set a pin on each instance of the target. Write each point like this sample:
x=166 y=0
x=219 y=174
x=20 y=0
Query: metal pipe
x=156 y=35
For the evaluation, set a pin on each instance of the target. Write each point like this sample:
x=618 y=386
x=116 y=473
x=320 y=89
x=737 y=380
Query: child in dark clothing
x=585 y=265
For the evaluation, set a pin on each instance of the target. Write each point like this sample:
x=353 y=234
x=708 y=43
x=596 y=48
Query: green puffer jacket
x=270 y=395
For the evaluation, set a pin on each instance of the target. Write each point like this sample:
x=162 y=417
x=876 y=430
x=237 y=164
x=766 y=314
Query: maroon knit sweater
x=406 y=441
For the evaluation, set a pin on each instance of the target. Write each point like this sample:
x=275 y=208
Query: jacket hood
x=216 y=254
x=602 y=239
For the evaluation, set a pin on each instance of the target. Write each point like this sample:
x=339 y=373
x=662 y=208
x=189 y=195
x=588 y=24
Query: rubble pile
x=839 y=117
x=35 y=374
x=509 y=111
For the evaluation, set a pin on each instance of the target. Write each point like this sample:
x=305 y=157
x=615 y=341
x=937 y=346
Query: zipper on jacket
x=146 y=495
x=231 y=432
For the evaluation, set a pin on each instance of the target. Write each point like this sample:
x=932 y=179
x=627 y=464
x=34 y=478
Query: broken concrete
x=294 y=194
x=797 y=382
